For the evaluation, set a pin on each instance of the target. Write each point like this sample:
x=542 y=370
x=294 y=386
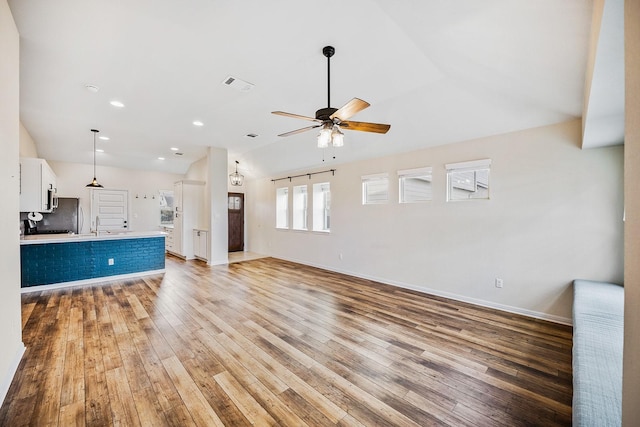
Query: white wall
x=631 y=368
x=10 y=320
x=218 y=205
x=198 y=172
x=27 y=145
x=555 y=215
x=144 y=214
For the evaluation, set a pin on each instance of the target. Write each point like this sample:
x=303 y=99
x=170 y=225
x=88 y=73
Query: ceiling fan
x=332 y=119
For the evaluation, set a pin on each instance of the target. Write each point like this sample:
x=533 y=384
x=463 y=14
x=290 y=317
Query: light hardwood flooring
x=243 y=256
x=270 y=342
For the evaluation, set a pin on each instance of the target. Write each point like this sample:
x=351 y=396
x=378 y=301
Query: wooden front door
x=236 y=222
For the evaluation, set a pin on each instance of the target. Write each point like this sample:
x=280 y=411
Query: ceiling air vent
x=178 y=154
x=238 y=84
x=252 y=135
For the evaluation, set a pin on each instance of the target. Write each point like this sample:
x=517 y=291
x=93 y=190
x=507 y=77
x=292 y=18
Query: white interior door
x=109 y=210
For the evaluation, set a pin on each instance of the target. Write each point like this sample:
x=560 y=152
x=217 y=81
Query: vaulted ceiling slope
x=438 y=72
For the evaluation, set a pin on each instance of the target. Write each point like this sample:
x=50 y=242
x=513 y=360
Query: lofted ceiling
x=437 y=71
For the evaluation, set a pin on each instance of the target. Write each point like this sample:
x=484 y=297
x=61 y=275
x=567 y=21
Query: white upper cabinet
x=38 y=188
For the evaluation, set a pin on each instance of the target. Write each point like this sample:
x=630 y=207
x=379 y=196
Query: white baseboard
x=11 y=372
x=89 y=281
x=436 y=292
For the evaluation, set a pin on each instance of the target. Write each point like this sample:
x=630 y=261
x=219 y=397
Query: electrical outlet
x=110 y=261
x=499 y=283
x=340 y=256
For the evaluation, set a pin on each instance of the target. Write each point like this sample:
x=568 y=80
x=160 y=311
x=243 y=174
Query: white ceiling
x=437 y=71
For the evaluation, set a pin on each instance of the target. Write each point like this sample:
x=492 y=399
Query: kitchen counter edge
x=40 y=239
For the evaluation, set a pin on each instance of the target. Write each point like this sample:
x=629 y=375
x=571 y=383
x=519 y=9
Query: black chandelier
x=236 y=178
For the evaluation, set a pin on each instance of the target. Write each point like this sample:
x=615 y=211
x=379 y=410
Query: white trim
x=415 y=172
x=85 y=282
x=473 y=164
x=452 y=296
x=374 y=177
x=11 y=372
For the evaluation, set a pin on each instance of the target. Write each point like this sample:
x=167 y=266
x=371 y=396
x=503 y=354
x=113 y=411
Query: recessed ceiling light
x=174 y=149
x=198 y=123
x=160 y=158
x=117 y=104
x=92 y=88
x=99 y=150
x=104 y=138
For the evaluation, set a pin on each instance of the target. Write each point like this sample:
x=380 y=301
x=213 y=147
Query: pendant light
x=94 y=182
x=235 y=178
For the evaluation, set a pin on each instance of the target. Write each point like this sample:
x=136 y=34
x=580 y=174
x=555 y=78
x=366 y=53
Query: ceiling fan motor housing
x=324 y=114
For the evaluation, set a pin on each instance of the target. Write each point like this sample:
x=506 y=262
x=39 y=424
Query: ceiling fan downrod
x=328 y=51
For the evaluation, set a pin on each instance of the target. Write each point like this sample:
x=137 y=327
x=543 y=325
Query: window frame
x=472 y=182
x=300 y=208
x=426 y=171
x=366 y=180
x=321 y=211
x=282 y=208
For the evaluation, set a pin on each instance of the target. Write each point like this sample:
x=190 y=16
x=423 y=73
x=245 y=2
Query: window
x=321 y=207
x=415 y=185
x=166 y=207
x=282 y=207
x=375 y=189
x=468 y=180
x=300 y=207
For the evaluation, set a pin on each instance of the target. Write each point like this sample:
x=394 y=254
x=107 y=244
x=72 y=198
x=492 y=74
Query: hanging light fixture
x=337 y=137
x=330 y=134
x=324 y=137
x=94 y=182
x=236 y=178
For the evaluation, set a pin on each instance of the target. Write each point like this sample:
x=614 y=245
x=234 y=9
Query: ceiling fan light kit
x=330 y=119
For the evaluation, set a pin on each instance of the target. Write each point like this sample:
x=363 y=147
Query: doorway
x=236 y=222
x=109 y=210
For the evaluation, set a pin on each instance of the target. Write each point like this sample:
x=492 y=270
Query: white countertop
x=104 y=235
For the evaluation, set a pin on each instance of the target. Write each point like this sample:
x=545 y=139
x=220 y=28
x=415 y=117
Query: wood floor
x=269 y=342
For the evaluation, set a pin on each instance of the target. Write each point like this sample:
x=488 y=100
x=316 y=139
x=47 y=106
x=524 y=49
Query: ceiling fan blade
x=295 y=116
x=366 y=127
x=293 y=132
x=349 y=109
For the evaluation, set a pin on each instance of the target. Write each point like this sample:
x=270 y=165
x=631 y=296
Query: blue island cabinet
x=77 y=258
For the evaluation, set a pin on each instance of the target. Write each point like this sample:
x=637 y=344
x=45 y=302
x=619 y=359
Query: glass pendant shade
x=324 y=137
x=94 y=181
x=337 y=137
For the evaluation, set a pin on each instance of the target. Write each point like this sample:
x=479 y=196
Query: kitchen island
x=70 y=259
